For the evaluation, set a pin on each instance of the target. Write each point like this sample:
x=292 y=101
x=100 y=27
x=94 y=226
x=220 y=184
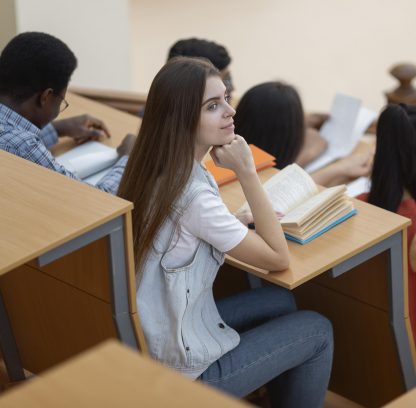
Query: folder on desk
x=262 y=160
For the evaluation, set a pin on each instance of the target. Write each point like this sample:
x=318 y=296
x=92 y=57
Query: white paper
x=347 y=123
x=365 y=118
x=359 y=186
x=90 y=160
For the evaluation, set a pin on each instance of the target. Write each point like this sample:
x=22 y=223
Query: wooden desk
x=367 y=306
x=111 y=375
x=407 y=400
x=66 y=267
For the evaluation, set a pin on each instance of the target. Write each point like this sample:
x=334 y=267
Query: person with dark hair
x=393 y=179
x=181 y=230
x=270 y=116
x=217 y=54
x=35 y=69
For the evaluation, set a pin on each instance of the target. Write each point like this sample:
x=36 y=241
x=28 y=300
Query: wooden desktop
x=111 y=375
x=66 y=267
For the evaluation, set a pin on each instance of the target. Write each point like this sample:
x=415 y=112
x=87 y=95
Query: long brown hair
x=162 y=158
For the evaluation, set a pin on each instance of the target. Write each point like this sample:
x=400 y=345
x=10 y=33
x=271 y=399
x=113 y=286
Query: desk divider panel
x=365 y=349
x=52 y=320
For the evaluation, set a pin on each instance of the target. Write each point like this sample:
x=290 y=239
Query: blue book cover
x=323 y=230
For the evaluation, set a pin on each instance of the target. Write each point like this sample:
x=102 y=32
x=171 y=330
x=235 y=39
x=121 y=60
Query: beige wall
x=98 y=31
x=8 y=26
x=320 y=46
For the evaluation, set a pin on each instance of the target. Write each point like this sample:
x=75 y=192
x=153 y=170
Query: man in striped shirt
x=35 y=69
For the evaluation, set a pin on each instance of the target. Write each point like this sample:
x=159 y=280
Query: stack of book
x=308 y=211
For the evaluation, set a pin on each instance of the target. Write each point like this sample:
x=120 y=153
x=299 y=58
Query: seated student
x=270 y=115
x=216 y=53
x=35 y=69
x=181 y=229
x=393 y=179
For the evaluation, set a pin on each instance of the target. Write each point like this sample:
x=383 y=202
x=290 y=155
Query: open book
x=347 y=123
x=262 y=160
x=90 y=161
x=308 y=211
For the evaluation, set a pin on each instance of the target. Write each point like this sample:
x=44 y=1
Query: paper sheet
x=347 y=123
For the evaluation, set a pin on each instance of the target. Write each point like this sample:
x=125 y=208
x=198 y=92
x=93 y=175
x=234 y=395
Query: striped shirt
x=22 y=138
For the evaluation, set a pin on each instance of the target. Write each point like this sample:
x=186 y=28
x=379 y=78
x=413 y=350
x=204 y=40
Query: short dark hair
x=32 y=62
x=270 y=116
x=195 y=47
x=394 y=168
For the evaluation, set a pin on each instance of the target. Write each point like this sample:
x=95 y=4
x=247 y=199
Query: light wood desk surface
x=369 y=226
x=119 y=123
x=36 y=217
x=407 y=400
x=66 y=267
x=111 y=375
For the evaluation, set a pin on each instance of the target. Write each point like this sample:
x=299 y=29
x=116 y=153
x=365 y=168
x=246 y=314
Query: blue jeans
x=289 y=350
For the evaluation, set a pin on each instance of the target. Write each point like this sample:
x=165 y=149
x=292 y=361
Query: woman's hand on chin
x=235 y=156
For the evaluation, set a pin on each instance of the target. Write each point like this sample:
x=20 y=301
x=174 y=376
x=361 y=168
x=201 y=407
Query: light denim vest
x=180 y=320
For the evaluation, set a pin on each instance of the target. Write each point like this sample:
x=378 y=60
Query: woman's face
x=216 y=124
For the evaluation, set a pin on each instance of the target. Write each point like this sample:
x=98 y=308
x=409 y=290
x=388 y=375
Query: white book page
x=289 y=188
x=95 y=178
x=88 y=158
x=314 y=202
x=341 y=130
x=359 y=186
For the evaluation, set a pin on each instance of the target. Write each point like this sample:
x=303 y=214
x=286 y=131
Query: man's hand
x=81 y=128
x=126 y=145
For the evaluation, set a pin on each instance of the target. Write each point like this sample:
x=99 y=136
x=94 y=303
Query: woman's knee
x=318 y=324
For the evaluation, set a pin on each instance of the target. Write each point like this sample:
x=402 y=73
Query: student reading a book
x=270 y=116
x=393 y=179
x=35 y=69
x=181 y=230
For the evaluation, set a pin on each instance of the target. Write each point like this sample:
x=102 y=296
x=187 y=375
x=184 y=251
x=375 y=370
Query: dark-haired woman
x=270 y=115
x=181 y=230
x=393 y=179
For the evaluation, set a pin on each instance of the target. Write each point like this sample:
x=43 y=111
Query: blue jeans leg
x=290 y=351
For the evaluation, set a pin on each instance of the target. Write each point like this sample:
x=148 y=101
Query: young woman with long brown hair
x=181 y=230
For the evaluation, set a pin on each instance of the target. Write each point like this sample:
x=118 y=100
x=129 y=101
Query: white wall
x=97 y=31
x=320 y=46
x=8 y=27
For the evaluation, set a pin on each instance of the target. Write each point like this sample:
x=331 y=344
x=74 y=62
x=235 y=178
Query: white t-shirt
x=206 y=218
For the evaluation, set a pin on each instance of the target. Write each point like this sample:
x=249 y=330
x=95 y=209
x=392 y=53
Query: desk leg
x=8 y=346
x=114 y=230
x=396 y=312
x=119 y=287
x=394 y=246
